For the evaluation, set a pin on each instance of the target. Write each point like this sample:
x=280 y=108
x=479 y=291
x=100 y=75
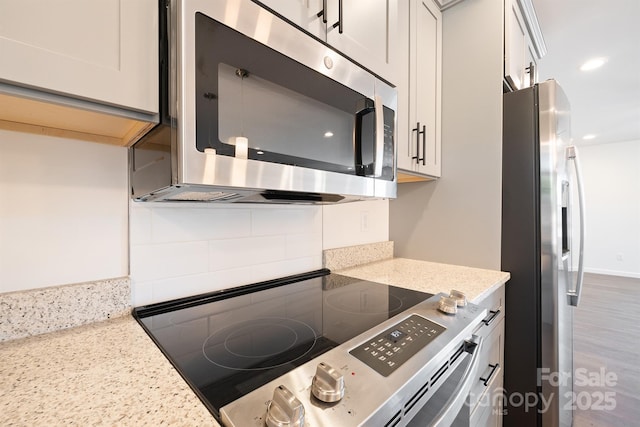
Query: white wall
x=63 y=211
x=355 y=223
x=612 y=194
x=457 y=219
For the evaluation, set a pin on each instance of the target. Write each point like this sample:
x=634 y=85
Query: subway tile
x=232 y=253
x=287 y=267
x=153 y=262
x=139 y=224
x=292 y=220
x=301 y=245
x=179 y=287
x=141 y=293
x=179 y=224
x=187 y=285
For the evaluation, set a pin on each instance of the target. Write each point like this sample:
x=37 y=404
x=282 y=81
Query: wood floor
x=607 y=339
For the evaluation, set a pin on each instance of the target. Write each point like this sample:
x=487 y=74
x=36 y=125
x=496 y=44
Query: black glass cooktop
x=228 y=343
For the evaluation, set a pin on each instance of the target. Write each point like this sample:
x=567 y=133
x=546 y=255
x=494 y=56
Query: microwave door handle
x=377 y=102
x=574 y=295
x=360 y=167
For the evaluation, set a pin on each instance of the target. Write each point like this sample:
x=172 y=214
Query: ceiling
x=605 y=102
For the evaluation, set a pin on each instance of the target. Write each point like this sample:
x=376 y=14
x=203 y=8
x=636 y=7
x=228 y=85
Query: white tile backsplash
x=188 y=224
x=231 y=253
x=281 y=220
x=188 y=249
x=158 y=261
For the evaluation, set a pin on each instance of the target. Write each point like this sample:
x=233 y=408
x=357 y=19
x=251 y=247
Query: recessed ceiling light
x=588 y=136
x=328 y=134
x=592 y=64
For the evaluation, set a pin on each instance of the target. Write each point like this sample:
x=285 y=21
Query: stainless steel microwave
x=253 y=109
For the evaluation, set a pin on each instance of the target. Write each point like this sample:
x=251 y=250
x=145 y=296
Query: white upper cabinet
x=307 y=14
x=366 y=31
x=99 y=56
x=523 y=44
x=363 y=30
x=419 y=98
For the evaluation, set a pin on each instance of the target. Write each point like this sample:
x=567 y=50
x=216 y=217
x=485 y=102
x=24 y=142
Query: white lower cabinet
x=98 y=57
x=485 y=402
x=420 y=92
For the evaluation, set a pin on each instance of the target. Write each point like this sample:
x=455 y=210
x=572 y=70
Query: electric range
x=303 y=349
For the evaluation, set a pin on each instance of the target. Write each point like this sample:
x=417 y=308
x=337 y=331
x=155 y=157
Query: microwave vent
x=202 y=196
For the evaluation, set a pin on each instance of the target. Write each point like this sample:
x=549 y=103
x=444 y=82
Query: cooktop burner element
x=254 y=345
x=229 y=343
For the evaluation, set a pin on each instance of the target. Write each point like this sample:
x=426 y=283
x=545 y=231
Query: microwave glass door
x=255 y=103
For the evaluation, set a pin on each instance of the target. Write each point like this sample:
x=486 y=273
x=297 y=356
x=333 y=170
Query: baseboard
x=631 y=274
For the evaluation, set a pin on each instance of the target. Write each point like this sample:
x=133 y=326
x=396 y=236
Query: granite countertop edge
x=430 y=277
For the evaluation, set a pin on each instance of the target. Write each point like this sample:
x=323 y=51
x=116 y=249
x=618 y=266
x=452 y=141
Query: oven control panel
x=387 y=351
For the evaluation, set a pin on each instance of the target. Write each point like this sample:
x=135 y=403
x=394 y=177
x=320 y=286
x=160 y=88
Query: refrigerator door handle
x=574 y=295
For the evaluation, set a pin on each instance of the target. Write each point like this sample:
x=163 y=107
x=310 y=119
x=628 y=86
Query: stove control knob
x=284 y=410
x=327 y=384
x=448 y=305
x=459 y=297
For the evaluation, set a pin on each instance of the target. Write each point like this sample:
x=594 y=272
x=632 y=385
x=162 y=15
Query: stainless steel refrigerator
x=540 y=181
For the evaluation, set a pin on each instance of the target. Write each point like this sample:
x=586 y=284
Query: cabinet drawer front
x=486 y=415
x=494 y=303
x=490 y=369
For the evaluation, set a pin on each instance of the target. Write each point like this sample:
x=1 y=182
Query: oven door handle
x=452 y=407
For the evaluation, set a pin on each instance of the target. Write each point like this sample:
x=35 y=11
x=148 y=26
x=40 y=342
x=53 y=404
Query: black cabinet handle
x=424 y=145
x=494 y=368
x=339 y=23
x=491 y=317
x=422 y=132
x=417 y=130
x=323 y=12
x=531 y=69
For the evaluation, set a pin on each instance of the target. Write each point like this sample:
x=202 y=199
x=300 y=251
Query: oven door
x=277 y=108
x=449 y=406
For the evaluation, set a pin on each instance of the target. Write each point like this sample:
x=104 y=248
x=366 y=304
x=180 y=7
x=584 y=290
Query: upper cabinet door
x=420 y=93
x=367 y=32
x=515 y=48
x=306 y=14
x=523 y=44
x=426 y=80
x=363 y=30
x=104 y=51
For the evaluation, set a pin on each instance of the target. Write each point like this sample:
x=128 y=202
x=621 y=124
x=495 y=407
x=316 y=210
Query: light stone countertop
x=430 y=277
x=111 y=373
x=107 y=373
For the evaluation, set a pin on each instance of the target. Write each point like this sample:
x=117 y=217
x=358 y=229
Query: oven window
x=255 y=103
